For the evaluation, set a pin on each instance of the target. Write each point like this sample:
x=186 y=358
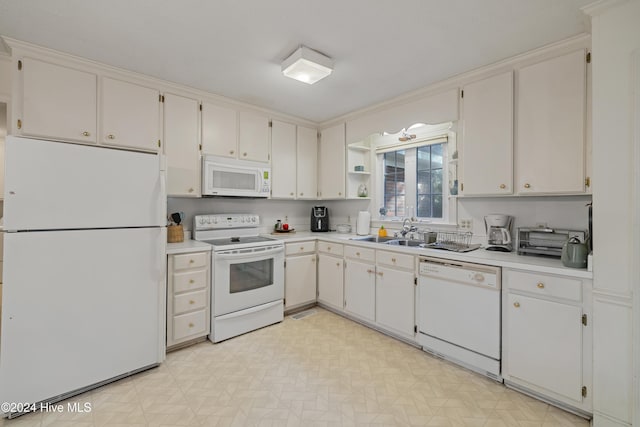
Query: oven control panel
x=215 y=221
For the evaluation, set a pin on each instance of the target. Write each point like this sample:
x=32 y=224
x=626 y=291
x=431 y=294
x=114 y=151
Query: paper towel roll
x=363 y=225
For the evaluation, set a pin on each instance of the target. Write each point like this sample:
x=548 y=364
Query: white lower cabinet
x=360 y=282
x=300 y=274
x=395 y=293
x=331 y=275
x=188 y=298
x=546 y=337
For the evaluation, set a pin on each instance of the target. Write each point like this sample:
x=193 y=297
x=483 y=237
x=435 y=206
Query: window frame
x=388 y=143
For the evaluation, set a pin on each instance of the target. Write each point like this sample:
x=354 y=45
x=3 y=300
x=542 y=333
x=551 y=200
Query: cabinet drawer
x=189 y=301
x=193 y=260
x=191 y=324
x=331 y=248
x=544 y=284
x=299 y=247
x=363 y=254
x=395 y=259
x=189 y=280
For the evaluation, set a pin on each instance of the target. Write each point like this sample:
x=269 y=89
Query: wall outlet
x=465 y=224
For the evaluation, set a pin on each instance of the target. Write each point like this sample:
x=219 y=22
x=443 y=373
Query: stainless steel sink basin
x=375 y=239
x=403 y=242
x=389 y=241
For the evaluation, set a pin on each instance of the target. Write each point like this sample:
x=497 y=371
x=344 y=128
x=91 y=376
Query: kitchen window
x=414 y=175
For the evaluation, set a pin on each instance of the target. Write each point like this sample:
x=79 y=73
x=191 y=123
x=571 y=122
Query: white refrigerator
x=84 y=268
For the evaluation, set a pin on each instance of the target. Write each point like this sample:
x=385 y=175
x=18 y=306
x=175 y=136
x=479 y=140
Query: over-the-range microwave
x=231 y=177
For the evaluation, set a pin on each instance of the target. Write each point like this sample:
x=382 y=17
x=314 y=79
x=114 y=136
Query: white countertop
x=187 y=246
x=479 y=256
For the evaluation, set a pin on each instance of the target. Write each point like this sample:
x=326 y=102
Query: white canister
x=364 y=223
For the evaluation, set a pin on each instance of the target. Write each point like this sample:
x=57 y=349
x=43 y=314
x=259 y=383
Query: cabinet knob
x=291 y=194
x=337 y=264
x=502 y=186
x=370 y=271
x=357 y=253
x=339 y=193
x=111 y=136
x=191 y=325
x=313 y=259
x=85 y=133
x=380 y=273
x=191 y=190
x=191 y=261
x=192 y=281
x=527 y=185
x=393 y=260
x=231 y=152
x=191 y=302
x=301 y=248
x=516 y=304
x=244 y=154
x=302 y=194
x=328 y=248
x=540 y=285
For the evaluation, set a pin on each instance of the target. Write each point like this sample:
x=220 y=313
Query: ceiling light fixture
x=307 y=65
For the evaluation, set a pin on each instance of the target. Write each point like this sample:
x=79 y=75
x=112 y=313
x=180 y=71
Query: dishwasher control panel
x=472 y=274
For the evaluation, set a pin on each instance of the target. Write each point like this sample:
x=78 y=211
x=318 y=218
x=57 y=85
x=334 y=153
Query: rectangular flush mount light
x=307 y=65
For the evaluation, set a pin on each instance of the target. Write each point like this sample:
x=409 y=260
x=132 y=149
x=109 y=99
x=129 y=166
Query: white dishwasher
x=459 y=313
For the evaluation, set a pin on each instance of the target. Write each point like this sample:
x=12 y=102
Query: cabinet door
x=181 y=130
x=283 y=152
x=360 y=289
x=253 y=142
x=219 y=130
x=550 y=143
x=487 y=149
x=58 y=103
x=307 y=164
x=130 y=115
x=331 y=280
x=543 y=344
x=332 y=163
x=395 y=300
x=300 y=280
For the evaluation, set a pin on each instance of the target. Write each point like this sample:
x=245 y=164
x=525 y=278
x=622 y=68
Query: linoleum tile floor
x=321 y=370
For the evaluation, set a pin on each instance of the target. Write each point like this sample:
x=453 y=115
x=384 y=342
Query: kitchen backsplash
x=558 y=211
x=296 y=212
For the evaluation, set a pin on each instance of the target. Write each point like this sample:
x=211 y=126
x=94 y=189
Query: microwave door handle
x=252 y=254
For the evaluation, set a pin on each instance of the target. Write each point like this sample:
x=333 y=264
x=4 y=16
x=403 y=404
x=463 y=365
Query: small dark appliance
x=319 y=218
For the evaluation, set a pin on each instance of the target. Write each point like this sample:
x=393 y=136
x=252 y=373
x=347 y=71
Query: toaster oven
x=546 y=241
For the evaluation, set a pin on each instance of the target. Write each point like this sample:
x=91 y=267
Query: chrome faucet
x=408 y=227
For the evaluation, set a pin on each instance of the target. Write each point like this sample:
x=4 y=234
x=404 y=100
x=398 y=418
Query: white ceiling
x=234 y=48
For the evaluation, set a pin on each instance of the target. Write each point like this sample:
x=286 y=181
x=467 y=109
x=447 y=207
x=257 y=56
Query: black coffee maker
x=319 y=218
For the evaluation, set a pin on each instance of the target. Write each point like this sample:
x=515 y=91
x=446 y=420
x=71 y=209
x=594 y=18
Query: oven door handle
x=254 y=253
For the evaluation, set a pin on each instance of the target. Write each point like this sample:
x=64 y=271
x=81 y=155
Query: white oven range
x=247 y=280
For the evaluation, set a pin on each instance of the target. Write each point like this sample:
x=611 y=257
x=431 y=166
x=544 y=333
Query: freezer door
x=79 y=307
x=54 y=185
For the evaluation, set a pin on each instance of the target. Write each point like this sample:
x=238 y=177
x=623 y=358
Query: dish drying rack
x=456 y=241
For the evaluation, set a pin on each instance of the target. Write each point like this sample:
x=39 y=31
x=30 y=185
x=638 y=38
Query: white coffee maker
x=498 y=228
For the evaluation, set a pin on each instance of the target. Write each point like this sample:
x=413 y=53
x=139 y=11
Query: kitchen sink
x=389 y=241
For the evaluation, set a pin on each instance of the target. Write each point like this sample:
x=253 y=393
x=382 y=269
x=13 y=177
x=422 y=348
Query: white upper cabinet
x=332 y=150
x=253 y=140
x=181 y=145
x=283 y=153
x=130 y=115
x=550 y=123
x=307 y=163
x=487 y=148
x=219 y=130
x=58 y=103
